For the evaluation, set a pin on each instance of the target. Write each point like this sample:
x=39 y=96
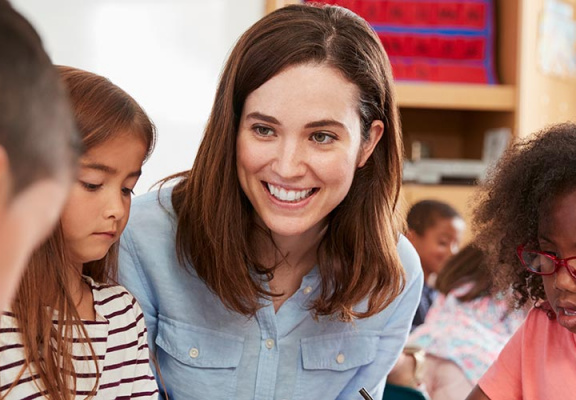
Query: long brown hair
x=357 y=257
x=102 y=110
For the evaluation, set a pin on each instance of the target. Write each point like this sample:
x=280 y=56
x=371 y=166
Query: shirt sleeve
x=372 y=377
x=131 y=276
x=503 y=379
x=145 y=386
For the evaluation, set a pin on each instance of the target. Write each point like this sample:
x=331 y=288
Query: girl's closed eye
x=91 y=187
x=127 y=191
x=323 y=138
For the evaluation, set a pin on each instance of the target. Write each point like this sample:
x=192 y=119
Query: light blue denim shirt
x=206 y=352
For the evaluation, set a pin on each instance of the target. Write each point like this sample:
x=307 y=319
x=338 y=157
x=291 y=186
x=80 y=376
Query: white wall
x=166 y=53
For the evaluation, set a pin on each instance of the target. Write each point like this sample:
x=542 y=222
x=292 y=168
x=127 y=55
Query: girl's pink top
x=538 y=363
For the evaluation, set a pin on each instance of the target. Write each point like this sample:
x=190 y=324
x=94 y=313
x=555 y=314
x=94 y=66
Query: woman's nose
x=290 y=160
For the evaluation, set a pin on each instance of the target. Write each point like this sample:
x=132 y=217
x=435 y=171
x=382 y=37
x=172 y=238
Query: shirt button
x=307 y=290
x=340 y=358
x=269 y=343
x=193 y=353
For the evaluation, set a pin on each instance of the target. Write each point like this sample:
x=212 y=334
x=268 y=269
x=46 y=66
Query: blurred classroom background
x=472 y=75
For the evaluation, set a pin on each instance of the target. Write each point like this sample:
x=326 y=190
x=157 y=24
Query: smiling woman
x=275 y=267
x=297 y=164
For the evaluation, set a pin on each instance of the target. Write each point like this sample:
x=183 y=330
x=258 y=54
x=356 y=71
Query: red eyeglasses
x=541 y=263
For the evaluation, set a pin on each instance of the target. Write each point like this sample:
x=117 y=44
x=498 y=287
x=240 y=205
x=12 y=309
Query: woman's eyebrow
x=324 y=122
x=314 y=124
x=263 y=117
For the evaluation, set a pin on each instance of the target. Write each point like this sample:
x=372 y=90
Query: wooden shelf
x=456 y=96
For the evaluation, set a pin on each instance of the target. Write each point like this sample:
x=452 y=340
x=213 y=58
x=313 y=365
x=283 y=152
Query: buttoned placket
x=269 y=354
x=273 y=326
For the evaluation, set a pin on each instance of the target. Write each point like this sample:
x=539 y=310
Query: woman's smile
x=299 y=145
x=289 y=195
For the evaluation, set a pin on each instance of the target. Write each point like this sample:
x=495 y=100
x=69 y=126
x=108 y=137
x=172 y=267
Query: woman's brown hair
x=521 y=187
x=102 y=111
x=357 y=257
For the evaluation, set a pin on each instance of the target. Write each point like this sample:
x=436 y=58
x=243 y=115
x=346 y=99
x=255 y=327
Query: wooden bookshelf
x=452 y=118
x=456 y=96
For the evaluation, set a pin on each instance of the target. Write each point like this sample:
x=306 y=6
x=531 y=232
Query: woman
x=274 y=268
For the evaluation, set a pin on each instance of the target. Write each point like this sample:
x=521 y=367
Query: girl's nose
x=563 y=280
x=115 y=208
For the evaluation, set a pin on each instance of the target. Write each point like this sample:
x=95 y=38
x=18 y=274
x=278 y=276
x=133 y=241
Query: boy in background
x=435 y=229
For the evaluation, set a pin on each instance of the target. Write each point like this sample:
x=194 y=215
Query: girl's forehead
x=557 y=221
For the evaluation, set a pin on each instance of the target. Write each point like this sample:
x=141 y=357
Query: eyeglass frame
x=558 y=262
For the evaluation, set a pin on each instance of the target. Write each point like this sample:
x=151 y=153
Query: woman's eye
x=263 y=131
x=127 y=191
x=322 y=138
x=91 y=187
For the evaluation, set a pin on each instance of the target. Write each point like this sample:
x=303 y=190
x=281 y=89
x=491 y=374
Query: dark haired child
x=38 y=147
x=69 y=334
x=435 y=229
x=527 y=224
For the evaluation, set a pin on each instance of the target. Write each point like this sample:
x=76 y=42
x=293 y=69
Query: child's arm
x=477 y=394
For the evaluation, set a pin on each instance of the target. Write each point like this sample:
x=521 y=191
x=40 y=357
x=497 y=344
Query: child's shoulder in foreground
x=113 y=301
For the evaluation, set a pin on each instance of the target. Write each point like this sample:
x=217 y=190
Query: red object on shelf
x=427 y=40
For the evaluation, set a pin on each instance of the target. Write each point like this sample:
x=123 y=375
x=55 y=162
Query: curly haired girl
x=527 y=224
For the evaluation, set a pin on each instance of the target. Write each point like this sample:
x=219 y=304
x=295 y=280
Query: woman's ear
x=376 y=131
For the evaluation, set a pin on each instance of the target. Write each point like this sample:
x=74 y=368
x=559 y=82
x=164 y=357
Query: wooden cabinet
x=452 y=118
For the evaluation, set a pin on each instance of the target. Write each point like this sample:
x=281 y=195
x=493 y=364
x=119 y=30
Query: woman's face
x=299 y=145
x=557 y=235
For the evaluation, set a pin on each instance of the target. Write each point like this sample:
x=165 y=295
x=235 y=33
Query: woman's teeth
x=289 y=195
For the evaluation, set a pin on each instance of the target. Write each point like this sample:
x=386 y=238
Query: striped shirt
x=119 y=340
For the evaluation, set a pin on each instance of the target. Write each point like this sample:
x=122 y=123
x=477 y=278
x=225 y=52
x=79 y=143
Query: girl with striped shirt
x=69 y=334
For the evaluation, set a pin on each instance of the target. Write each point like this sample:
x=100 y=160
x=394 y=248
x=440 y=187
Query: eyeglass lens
x=543 y=264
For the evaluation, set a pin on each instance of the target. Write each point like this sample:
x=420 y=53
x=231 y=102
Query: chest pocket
x=197 y=363
x=334 y=358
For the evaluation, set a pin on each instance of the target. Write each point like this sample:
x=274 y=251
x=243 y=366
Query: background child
x=38 y=147
x=68 y=335
x=527 y=223
x=435 y=229
x=466 y=327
